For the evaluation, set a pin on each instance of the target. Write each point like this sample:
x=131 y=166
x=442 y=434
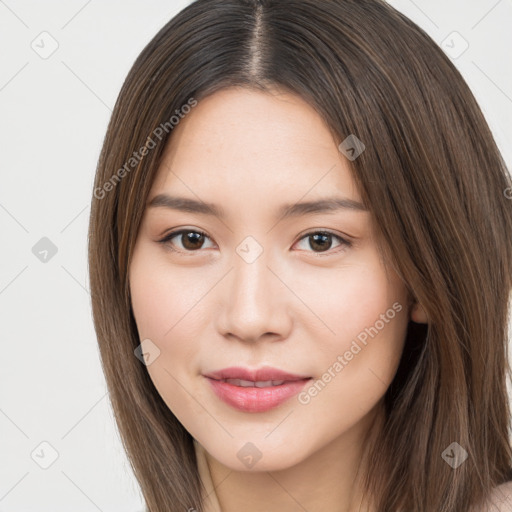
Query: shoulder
x=500 y=499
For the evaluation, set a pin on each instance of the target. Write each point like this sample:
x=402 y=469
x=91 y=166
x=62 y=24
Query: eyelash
x=344 y=244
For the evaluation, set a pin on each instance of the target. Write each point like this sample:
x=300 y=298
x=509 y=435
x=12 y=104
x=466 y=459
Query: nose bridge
x=253 y=304
x=251 y=279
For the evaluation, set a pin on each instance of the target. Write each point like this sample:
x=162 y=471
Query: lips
x=255 y=390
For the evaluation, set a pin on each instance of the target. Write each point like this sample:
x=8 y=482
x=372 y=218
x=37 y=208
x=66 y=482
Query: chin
x=256 y=454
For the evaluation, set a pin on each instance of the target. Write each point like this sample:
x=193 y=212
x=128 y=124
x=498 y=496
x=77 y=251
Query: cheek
x=168 y=311
x=367 y=306
x=365 y=322
x=348 y=300
x=165 y=300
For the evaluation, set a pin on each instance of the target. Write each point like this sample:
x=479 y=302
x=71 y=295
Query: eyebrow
x=326 y=205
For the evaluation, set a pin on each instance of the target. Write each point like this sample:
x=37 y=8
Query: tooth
x=250 y=383
x=246 y=383
x=234 y=382
x=263 y=384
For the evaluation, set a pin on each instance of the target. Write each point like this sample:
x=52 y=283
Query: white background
x=53 y=117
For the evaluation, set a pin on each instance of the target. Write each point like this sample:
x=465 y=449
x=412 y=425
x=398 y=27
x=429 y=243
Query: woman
x=300 y=265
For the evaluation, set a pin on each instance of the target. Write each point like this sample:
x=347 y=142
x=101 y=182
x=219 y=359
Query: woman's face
x=253 y=287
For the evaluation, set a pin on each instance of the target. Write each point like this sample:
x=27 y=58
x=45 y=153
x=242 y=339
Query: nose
x=255 y=303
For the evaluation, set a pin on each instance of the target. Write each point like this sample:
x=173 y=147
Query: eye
x=320 y=241
x=193 y=240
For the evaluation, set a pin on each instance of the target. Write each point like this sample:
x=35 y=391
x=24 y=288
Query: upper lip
x=263 y=374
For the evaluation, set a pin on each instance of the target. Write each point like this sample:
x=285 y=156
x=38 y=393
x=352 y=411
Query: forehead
x=244 y=146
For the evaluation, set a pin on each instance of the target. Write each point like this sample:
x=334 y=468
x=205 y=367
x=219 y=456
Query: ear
x=418 y=314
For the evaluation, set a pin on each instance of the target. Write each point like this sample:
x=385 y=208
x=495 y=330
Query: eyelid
x=345 y=241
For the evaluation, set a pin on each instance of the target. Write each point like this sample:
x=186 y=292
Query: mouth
x=264 y=374
x=250 y=384
x=255 y=390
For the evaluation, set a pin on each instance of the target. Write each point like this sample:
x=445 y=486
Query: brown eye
x=321 y=241
x=191 y=240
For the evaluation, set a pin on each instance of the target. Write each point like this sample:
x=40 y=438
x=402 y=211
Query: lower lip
x=256 y=399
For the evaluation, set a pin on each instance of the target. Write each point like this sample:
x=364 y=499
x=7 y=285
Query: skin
x=296 y=307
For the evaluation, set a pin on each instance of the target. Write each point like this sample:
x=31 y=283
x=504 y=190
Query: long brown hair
x=437 y=188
